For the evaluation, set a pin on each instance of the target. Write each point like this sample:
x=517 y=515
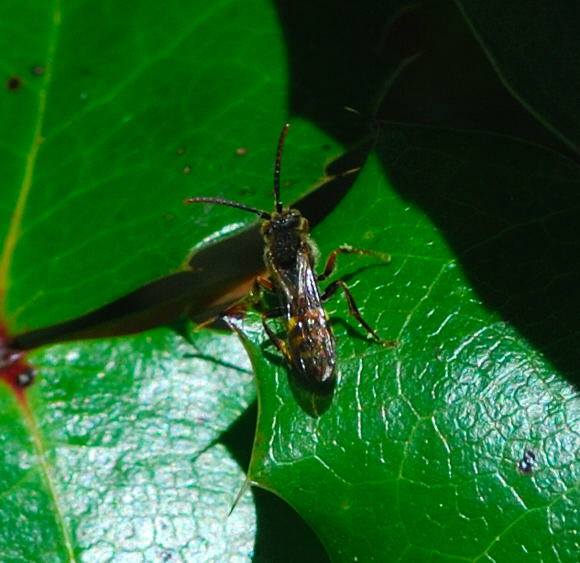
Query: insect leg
x=353 y=310
x=265 y=283
x=252 y=298
x=236 y=310
x=277 y=341
x=346 y=249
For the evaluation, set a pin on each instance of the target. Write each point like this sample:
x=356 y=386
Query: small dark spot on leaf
x=166 y=556
x=325 y=147
x=14 y=83
x=38 y=70
x=180 y=151
x=527 y=463
x=241 y=151
x=25 y=378
x=187 y=170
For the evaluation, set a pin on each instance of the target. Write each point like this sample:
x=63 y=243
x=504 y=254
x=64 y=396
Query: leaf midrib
x=14 y=227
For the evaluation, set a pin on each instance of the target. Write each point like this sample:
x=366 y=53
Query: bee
x=290 y=257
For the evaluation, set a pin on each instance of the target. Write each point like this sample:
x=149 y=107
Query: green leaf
x=422 y=451
x=533 y=48
x=139 y=107
x=122 y=120
x=116 y=454
x=122 y=112
x=424 y=438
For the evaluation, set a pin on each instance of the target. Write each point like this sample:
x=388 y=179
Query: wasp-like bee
x=290 y=257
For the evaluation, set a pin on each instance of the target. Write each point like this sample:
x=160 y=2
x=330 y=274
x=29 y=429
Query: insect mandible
x=290 y=257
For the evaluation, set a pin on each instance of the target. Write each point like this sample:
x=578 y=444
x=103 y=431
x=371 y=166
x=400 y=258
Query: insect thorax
x=284 y=248
x=285 y=237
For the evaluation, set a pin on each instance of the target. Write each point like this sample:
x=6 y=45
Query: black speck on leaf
x=14 y=83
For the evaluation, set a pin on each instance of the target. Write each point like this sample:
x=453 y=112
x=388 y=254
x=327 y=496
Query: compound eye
x=293 y=219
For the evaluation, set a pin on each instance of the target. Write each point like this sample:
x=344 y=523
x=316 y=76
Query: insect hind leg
x=276 y=340
x=354 y=310
x=330 y=265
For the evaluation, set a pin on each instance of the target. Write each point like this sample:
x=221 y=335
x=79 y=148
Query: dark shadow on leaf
x=239 y=437
x=281 y=535
x=313 y=398
x=352 y=330
x=516 y=235
x=219 y=275
x=510 y=210
x=336 y=59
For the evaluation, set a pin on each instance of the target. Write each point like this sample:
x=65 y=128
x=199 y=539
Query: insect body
x=290 y=257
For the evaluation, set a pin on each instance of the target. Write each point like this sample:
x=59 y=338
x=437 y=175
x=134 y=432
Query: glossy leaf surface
x=115 y=454
x=117 y=121
x=423 y=451
x=111 y=116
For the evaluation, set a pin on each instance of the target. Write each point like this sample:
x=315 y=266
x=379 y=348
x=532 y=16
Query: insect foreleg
x=353 y=310
x=346 y=249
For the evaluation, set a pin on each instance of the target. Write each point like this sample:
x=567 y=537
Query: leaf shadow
x=510 y=210
x=282 y=535
x=217 y=275
x=517 y=241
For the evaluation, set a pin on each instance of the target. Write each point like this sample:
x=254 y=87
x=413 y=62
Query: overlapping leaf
x=118 y=119
x=111 y=116
x=460 y=442
x=117 y=454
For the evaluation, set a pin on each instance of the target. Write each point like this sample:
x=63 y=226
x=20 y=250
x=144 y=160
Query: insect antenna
x=277 y=168
x=220 y=201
